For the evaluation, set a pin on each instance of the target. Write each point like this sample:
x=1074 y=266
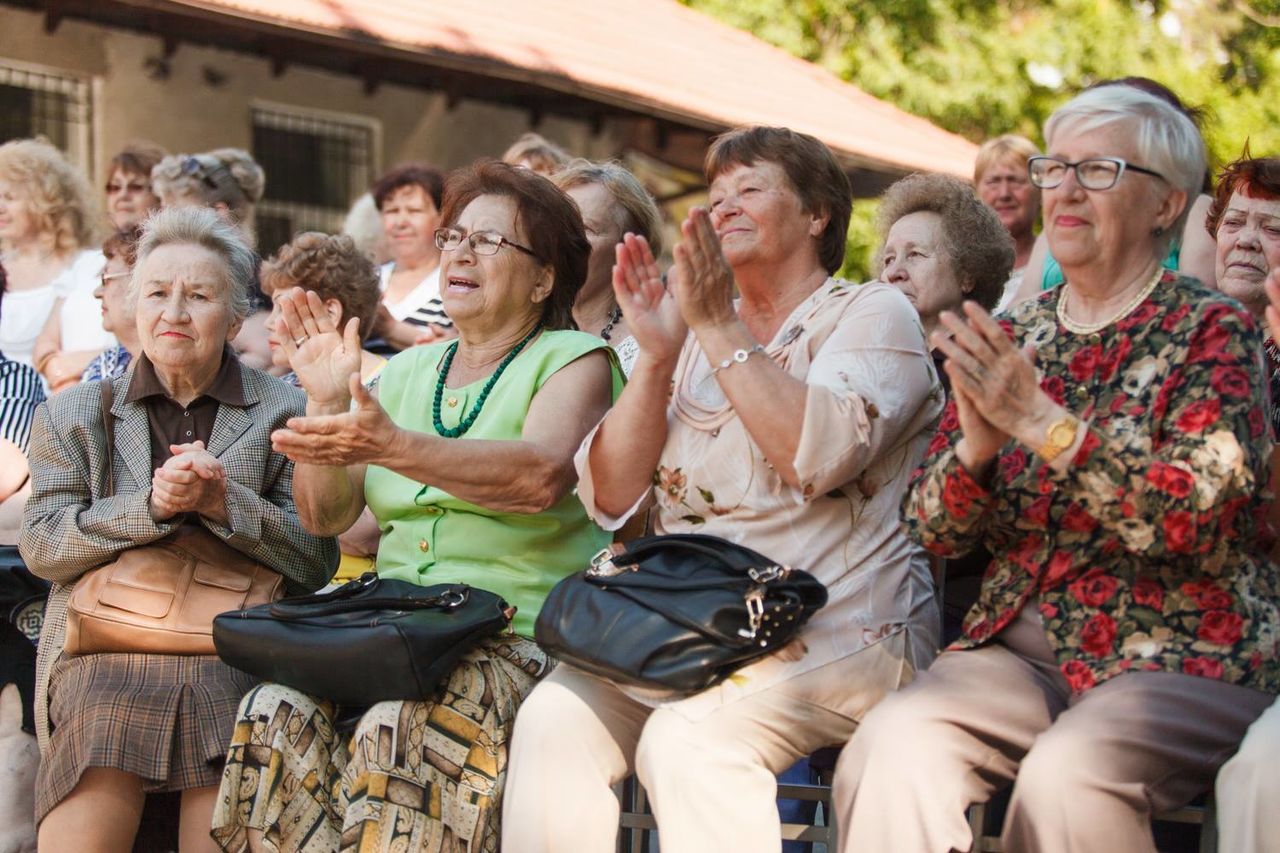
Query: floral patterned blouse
x=872 y=404
x=1146 y=552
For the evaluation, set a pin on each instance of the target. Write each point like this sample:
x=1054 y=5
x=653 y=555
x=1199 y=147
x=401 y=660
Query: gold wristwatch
x=1060 y=435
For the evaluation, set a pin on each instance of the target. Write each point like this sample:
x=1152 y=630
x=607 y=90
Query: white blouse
x=873 y=401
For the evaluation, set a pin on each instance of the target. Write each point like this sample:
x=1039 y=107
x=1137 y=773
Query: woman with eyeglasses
x=121 y=252
x=1108 y=445
x=465 y=458
x=46 y=227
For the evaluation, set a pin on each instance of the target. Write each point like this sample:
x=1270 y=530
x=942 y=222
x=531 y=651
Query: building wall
x=186 y=113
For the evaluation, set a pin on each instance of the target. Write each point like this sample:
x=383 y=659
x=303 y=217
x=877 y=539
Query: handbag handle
x=342 y=600
x=633 y=555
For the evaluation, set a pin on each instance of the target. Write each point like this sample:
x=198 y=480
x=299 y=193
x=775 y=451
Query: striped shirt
x=20 y=392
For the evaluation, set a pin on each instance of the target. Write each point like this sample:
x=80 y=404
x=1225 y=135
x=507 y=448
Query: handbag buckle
x=768 y=574
x=453 y=599
x=603 y=565
x=754 y=600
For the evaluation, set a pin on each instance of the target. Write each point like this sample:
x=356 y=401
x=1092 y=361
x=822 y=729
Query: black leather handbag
x=680 y=612
x=367 y=641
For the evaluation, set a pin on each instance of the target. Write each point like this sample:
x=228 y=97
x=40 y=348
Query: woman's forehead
x=490 y=213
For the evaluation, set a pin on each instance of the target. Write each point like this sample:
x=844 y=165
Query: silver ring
x=297 y=342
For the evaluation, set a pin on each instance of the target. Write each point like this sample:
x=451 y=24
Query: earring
x=1158 y=231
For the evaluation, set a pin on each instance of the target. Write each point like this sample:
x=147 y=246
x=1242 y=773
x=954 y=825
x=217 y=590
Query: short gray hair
x=201 y=226
x=1167 y=141
x=640 y=214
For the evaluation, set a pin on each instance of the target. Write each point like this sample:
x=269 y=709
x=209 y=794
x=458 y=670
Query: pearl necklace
x=1090 y=328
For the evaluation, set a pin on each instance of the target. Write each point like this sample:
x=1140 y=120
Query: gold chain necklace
x=1090 y=328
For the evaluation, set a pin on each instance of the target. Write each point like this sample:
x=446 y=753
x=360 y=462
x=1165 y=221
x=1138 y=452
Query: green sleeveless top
x=429 y=536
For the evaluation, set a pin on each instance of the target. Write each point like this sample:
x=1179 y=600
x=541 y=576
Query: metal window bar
x=315 y=168
x=54 y=106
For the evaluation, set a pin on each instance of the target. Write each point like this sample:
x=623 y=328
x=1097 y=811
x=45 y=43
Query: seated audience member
x=113 y=727
x=943 y=246
x=408 y=199
x=121 y=252
x=364 y=225
x=1245 y=220
x=1000 y=178
x=490 y=422
x=1189 y=252
x=613 y=203
x=252 y=343
x=46 y=224
x=536 y=153
x=130 y=197
x=797 y=416
x=228 y=180
x=345 y=285
x=1124 y=639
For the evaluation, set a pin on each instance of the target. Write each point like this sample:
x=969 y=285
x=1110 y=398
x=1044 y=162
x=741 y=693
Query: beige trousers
x=710 y=777
x=1090 y=771
x=1248 y=790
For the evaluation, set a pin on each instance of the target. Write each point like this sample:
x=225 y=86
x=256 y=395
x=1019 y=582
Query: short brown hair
x=976 y=244
x=332 y=266
x=814 y=173
x=544 y=156
x=137 y=158
x=123 y=244
x=549 y=218
x=428 y=178
x=1252 y=177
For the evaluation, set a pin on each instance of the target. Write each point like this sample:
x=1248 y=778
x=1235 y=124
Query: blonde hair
x=544 y=156
x=1009 y=148
x=57 y=192
x=636 y=210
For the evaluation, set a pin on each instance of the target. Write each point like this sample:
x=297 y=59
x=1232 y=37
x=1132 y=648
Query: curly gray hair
x=200 y=226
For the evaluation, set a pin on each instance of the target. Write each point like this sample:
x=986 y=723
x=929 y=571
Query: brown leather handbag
x=161 y=598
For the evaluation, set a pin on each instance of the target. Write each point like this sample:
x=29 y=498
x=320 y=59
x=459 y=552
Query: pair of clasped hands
x=191 y=480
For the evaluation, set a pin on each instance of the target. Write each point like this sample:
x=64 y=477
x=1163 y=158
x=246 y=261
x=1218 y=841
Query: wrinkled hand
x=319 y=354
x=1272 y=286
x=652 y=315
x=192 y=480
x=703 y=284
x=364 y=435
x=997 y=392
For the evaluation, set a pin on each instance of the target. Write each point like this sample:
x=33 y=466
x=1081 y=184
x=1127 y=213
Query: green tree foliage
x=981 y=68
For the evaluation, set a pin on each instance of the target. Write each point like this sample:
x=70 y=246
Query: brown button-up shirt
x=173 y=423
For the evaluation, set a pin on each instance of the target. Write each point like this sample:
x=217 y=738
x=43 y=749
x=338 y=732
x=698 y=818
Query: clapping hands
x=320 y=355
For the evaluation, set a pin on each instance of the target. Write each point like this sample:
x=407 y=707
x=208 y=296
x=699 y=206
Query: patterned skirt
x=164 y=718
x=422 y=776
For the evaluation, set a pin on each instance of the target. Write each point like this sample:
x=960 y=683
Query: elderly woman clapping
x=788 y=421
x=1109 y=447
x=191 y=447
x=466 y=460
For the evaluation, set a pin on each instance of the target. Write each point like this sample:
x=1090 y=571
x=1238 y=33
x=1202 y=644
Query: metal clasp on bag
x=754 y=599
x=603 y=565
x=453 y=599
x=768 y=574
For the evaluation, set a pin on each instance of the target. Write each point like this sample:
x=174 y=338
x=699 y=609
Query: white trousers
x=710 y=779
x=1248 y=790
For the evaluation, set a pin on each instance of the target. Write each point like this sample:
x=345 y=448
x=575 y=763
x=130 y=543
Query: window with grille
x=316 y=167
x=45 y=103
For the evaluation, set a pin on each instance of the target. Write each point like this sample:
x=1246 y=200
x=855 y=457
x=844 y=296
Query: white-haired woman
x=613 y=203
x=1124 y=638
x=191 y=447
x=228 y=180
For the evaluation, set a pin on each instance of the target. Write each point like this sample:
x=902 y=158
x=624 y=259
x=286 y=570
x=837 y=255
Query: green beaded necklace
x=465 y=423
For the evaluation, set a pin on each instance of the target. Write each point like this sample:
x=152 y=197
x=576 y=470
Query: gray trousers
x=1089 y=770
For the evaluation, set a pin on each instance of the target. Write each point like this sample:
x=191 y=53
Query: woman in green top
x=466 y=460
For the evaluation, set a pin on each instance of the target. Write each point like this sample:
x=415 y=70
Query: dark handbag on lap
x=681 y=612
x=367 y=641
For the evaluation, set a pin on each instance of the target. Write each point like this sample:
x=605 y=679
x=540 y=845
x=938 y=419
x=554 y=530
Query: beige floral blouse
x=872 y=405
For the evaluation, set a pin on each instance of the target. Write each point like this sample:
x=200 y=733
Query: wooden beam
x=53 y=14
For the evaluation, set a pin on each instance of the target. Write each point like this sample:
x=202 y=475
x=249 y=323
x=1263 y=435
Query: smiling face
x=494 y=291
x=1248 y=248
x=759 y=217
x=410 y=220
x=600 y=215
x=18 y=223
x=129 y=199
x=1111 y=229
x=183 y=313
x=1005 y=188
x=915 y=262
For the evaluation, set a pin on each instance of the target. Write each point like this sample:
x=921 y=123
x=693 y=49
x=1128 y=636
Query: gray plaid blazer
x=71 y=526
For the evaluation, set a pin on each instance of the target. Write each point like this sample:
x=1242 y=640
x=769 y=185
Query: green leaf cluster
x=981 y=68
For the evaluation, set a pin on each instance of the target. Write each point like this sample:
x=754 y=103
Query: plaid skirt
x=164 y=718
x=422 y=776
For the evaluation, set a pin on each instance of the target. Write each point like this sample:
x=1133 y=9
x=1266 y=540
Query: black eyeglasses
x=1095 y=173
x=481 y=242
